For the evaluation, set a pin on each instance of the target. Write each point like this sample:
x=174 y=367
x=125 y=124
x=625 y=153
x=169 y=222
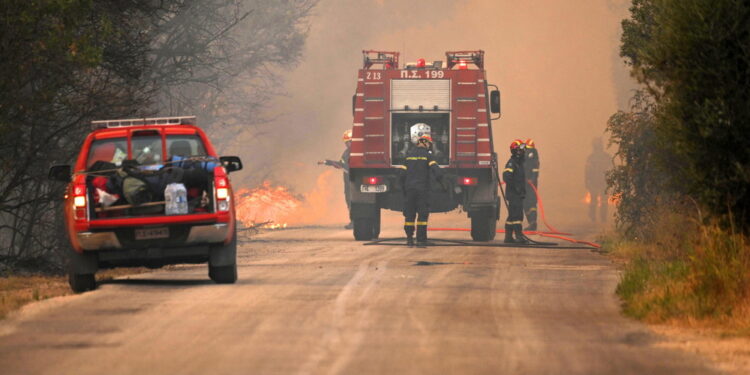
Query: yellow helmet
x=347 y=135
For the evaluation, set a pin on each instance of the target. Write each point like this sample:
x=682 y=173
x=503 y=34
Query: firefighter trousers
x=529 y=204
x=416 y=207
x=515 y=211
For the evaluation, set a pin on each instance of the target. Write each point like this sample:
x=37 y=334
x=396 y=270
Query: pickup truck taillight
x=80 y=201
x=221 y=187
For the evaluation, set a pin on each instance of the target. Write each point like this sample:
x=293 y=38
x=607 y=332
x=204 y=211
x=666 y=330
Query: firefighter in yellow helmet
x=421 y=168
x=343 y=164
x=531 y=171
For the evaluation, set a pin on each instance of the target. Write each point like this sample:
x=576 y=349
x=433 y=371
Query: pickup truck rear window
x=111 y=150
x=147 y=149
x=185 y=146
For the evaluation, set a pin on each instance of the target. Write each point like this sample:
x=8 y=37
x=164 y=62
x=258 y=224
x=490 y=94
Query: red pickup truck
x=117 y=212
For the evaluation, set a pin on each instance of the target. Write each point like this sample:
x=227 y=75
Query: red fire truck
x=454 y=99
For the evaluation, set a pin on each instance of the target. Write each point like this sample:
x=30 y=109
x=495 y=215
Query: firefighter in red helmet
x=531 y=169
x=515 y=191
x=420 y=168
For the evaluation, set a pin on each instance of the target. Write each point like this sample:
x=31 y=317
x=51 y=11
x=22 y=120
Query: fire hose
x=552 y=233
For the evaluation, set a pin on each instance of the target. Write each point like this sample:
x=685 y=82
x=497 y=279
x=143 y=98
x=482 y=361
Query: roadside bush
x=689 y=271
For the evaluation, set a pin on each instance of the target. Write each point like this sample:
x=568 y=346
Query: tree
x=694 y=58
x=67 y=62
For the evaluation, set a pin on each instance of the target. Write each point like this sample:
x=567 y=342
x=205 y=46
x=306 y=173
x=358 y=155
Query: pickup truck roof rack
x=176 y=120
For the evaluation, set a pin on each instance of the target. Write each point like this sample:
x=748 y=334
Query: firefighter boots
x=531 y=227
x=410 y=241
x=520 y=237
x=509 y=234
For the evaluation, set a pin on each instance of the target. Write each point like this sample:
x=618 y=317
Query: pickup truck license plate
x=151 y=233
x=373 y=188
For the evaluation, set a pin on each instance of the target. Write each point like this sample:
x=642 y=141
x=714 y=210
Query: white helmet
x=418 y=130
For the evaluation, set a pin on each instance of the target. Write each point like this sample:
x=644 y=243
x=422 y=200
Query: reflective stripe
x=532 y=209
x=514 y=222
x=400 y=166
x=535 y=170
x=508 y=170
x=433 y=162
x=421 y=223
x=416 y=158
x=408 y=223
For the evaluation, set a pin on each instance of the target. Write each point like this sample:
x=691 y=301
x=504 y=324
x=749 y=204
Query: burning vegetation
x=271 y=206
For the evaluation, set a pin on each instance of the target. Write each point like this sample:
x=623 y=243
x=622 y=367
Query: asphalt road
x=313 y=301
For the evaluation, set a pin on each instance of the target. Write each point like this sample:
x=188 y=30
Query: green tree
x=694 y=58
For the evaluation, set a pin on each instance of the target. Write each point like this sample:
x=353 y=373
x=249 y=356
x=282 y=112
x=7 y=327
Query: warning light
x=463 y=65
x=420 y=63
x=468 y=181
x=373 y=180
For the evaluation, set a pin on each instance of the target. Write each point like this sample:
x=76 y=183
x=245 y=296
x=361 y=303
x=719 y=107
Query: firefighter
x=343 y=164
x=531 y=170
x=597 y=165
x=420 y=165
x=515 y=190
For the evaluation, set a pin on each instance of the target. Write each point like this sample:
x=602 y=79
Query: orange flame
x=278 y=207
x=587 y=198
x=264 y=204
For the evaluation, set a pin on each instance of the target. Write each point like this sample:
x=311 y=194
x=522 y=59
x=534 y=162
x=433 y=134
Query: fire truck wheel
x=364 y=228
x=483 y=225
x=376 y=225
x=80 y=283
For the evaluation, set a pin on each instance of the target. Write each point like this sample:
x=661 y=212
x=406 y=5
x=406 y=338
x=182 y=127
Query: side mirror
x=231 y=163
x=59 y=173
x=495 y=101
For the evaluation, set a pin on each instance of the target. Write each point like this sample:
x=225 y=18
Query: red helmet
x=529 y=143
x=347 y=135
x=516 y=144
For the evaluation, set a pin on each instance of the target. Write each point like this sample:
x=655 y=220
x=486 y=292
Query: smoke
x=556 y=63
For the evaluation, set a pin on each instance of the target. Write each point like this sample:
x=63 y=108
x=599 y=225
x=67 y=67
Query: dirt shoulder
x=730 y=354
x=17 y=291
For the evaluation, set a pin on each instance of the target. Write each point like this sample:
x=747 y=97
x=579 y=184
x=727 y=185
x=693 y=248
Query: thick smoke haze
x=556 y=63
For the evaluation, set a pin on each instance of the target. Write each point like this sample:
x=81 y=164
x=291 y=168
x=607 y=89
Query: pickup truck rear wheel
x=80 y=283
x=484 y=225
x=222 y=264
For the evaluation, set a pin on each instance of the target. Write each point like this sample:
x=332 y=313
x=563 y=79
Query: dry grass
x=17 y=291
x=688 y=275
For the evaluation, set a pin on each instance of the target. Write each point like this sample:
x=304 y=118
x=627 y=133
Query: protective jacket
x=515 y=179
x=419 y=164
x=531 y=165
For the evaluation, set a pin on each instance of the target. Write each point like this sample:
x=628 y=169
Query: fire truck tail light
x=372 y=180
x=462 y=65
x=468 y=181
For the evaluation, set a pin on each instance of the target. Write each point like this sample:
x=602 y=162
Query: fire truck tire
x=364 y=228
x=222 y=264
x=376 y=225
x=80 y=283
x=484 y=225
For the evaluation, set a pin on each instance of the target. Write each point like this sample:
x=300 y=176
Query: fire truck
x=455 y=100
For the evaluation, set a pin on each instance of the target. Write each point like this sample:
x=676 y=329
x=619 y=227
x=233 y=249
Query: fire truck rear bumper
x=199 y=234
